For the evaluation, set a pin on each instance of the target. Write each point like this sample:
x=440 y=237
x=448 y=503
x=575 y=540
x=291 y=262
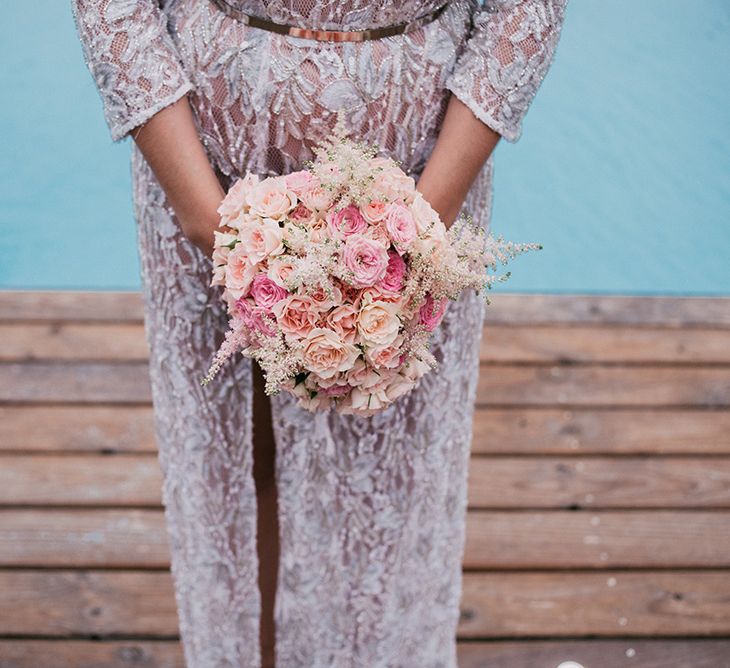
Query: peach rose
x=366 y=259
x=326 y=354
x=297 y=315
x=374 y=211
x=239 y=272
x=426 y=219
x=378 y=323
x=387 y=357
x=324 y=300
x=279 y=270
x=343 y=321
x=316 y=198
x=299 y=181
x=262 y=240
x=236 y=199
x=271 y=198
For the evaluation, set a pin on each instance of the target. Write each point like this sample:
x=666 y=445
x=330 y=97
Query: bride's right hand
x=171 y=146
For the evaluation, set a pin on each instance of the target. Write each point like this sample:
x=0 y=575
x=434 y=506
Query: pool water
x=622 y=173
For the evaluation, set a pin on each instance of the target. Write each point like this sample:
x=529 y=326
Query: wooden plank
x=611 y=539
x=53 y=537
x=494 y=482
x=80 y=480
x=72 y=341
x=554 y=605
x=91 y=653
x=495 y=605
x=663 y=310
x=596 y=653
x=75 y=382
x=24 y=341
x=508 y=308
x=94 y=428
x=39 y=428
x=501 y=385
x=63 y=603
x=550 y=431
x=690 y=653
x=599 y=482
x=498 y=384
x=70 y=305
x=600 y=343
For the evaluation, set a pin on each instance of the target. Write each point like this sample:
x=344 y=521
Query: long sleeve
x=132 y=58
x=506 y=57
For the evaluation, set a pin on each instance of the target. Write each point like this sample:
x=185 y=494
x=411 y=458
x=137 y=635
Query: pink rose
x=366 y=259
x=387 y=357
x=394 y=275
x=297 y=315
x=432 y=311
x=400 y=225
x=265 y=292
x=301 y=214
x=346 y=221
x=279 y=270
x=255 y=318
x=324 y=300
x=299 y=181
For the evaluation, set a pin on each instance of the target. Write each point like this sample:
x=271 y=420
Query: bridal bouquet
x=335 y=276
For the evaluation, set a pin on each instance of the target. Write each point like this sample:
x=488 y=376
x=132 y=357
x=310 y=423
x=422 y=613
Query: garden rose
x=266 y=292
x=297 y=315
x=326 y=354
x=272 y=199
x=366 y=259
x=346 y=221
x=378 y=323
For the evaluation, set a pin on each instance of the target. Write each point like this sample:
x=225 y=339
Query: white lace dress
x=371 y=510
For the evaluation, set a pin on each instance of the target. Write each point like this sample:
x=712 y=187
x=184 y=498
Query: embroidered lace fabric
x=371 y=510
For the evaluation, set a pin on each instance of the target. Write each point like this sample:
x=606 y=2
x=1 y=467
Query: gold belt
x=327 y=35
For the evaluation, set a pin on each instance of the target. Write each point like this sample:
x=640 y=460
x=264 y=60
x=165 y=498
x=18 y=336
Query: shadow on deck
x=599 y=519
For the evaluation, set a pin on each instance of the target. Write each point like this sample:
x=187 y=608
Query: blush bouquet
x=335 y=276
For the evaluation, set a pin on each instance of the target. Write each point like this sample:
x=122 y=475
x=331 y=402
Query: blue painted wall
x=622 y=173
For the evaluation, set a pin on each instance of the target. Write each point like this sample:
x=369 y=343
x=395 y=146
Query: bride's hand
x=463 y=146
x=171 y=146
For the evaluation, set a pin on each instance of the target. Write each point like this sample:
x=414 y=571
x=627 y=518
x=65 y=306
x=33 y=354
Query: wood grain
x=69 y=428
x=690 y=653
x=85 y=538
x=88 y=382
x=608 y=431
x=599 y=482
x=495 y=605
x=494 y=481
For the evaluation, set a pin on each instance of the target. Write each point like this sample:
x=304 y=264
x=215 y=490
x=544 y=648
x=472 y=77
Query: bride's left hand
x=463 y=146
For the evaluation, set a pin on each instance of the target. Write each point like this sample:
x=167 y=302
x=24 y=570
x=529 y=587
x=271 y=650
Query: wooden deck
x=599 y=520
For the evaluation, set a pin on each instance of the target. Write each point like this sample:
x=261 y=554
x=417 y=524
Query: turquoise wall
x=622 y=173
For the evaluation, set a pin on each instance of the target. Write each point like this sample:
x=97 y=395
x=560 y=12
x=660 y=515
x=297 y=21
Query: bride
x=299 y=539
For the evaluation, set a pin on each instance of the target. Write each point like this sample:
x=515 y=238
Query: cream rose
x=378 y=323
x=272 y=199
x=262 y=240
x=326 y=354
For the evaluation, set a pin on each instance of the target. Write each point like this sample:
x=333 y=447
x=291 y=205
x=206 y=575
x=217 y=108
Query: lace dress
x=371 y=510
